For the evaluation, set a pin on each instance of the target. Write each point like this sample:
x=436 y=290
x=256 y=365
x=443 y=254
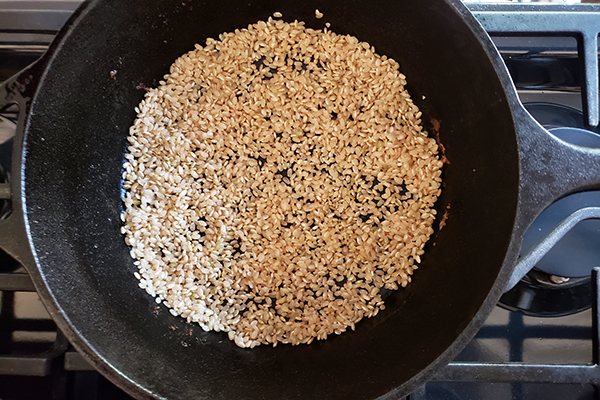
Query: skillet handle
x=550 y=168
x=17 y=91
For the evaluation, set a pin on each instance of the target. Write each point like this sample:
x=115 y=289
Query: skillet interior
x=76 y=138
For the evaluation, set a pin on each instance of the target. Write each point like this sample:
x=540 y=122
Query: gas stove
x=540 y=342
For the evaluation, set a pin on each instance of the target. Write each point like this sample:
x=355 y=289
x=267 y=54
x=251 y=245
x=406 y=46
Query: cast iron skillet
x=66 y=184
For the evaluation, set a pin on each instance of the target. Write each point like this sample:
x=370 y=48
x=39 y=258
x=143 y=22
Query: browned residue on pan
x=444 y=217
x=142 y=86
x=435 y=125
x=436 y=131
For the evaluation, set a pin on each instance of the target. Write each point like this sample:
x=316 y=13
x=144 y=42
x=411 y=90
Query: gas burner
x=551 y=116
x=540 y=294
x=560 y=283
x=8 y=128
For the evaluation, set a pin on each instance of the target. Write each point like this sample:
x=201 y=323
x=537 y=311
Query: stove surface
x=537 y=344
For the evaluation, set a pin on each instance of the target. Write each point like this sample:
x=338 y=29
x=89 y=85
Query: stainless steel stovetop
x=539 y=343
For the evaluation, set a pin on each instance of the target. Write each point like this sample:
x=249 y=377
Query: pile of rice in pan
x=277 y=181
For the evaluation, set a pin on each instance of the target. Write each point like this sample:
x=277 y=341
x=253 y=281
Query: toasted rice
x=277 y=180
